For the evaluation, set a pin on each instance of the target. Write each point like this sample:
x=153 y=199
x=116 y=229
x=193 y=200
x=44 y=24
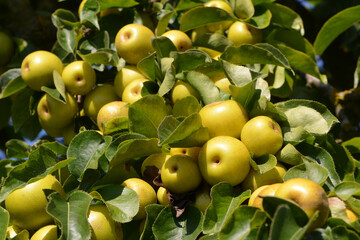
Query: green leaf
x=345 y=190
x=353 y=145
x=308 y=170
x=242 y=8
x=289 y=155
x=163 y=46
x=271 y=205
x=11 y=82
x=209 y=93
x=146 y=114
x=147 y=66
x=255 y=54
x=186 y=227
x=188 y=4
x=264 y=163
x=152 y=212
x=168 y=81
x=16 y=148
x=239 y=75
x=116 y=124
x=356 y=74
x=312 y=116
x=71 y=214
x=224 y=201
x=284 y=225
x=135 y=148
x=241 y=222
x=56 y=147
x=285 y=17
x=64 y=18
x=102 y=56
x=261 y=18
x=186 y=106
x=122 y=202
x=106 y=4
x=301 y=61
x=54 y=93
x=201 y=16
x=5 y=106
x=244 y=94
x=334 y=26
x=89 y=13
x=95 y=145
x=67 y=38
x=20 y=109
x=164 y=22
x=172 y=130
x=40 y=163
x=59 y=84
x=98 y=41
x=215 y=41
x=4 y=219
x=341 y=232
x=322 y=157
x=189 y=60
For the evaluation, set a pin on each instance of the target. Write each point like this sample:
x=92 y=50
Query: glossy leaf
x=89 y=13
x=334 y=26
x=189 y=60
x=95 y=145
x=308 y=170
x=345 y=190
x=239 y=75
x=188 y=4
x=152 y=210
x=16 y=148
x=11 y=83
x=147 y=66
x=186 y=106
x=4 y=219
x=64 y=18
x=224 y=201
x=102 y=56
x=135 y=148
x=215 y=41
x=289 y=155
x=67 y=38
x=146 y=114
x=59 y=84
x=285 y=17
x=255 y=54
x=40 y=163
x=264 y=163
x=164 y=22
x=261 y=18
x=353 y=145
x=200 y=16
x=106 y=4
x=312 y=116
x=243 y=9
x=241 y=222
x=187 y=226
x=122 y=202
x=209 y=93
x=71 y=214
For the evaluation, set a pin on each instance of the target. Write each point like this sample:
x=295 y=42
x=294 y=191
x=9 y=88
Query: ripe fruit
x=181 y=90
x=102 y=225
x=309 y=195
x=224 y=158
x=155 y=159
x=146 y=193
x=37 y=69
x=180 y=39
x=111 y=111
x=48 y=232
x=79 y=77
x=262 y=135
x=224 y=118
x=266 y=190
x=220 y=26
x=133 y=42
x=351 y=215
x=180 y=174
x=242 y=33
x=222 y=82
x=27 y=205
x=191 y=151
x=255 y=179
x=55 y=114
x=6 y=48
x=126 y=75
x=161 y=195
x=97 y=98
x=132 y=91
